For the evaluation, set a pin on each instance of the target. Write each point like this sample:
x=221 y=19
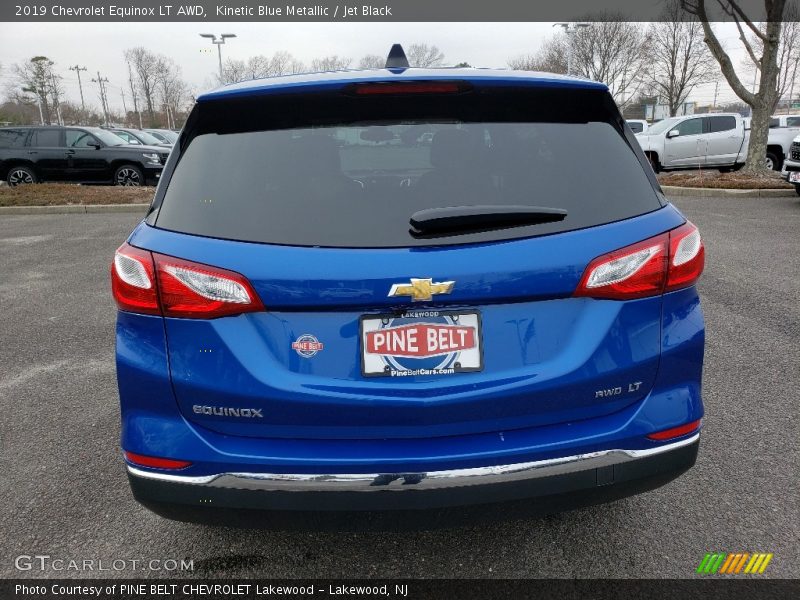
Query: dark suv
x=76 y=154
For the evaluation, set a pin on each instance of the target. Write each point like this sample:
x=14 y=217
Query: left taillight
x=151 y=283
x=666 y=262
x=133 y=281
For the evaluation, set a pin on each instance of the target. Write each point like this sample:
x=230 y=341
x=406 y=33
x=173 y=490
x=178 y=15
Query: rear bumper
x=541 y=486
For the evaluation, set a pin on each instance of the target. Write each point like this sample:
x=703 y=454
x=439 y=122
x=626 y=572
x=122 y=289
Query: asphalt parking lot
x=63 y=491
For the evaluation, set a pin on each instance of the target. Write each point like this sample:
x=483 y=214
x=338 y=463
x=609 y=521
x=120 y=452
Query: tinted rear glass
x=46 y=138
x=717 y=124
x=12 y=138
x=355 y=176
x=635 y=127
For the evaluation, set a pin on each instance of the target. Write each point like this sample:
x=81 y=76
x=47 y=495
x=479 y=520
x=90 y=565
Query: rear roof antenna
x=397 y=58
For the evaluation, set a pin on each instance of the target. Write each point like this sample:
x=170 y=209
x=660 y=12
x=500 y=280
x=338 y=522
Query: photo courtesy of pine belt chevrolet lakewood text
x=394 y=290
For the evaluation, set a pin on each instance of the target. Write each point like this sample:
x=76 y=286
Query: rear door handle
x=70 y=152
x=33 y=152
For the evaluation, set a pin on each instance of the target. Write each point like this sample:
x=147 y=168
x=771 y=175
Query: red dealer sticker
x=424 y=339
x=421 y=342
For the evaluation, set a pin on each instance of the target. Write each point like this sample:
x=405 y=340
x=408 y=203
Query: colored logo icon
x=722 y=563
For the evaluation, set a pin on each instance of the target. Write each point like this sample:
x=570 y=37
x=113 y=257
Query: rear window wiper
x=453 y=220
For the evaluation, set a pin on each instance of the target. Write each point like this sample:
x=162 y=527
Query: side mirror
x=673 y=133
x=96 y=145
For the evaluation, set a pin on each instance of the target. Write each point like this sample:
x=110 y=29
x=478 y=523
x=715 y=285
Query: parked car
x=637 y=125
x=717 y=140
x=165 y=136
x=791 y=166
x=140 y=137
x=513 y=336
x=76 y=154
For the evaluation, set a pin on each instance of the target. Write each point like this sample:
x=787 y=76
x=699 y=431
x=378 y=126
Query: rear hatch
x=382 y=319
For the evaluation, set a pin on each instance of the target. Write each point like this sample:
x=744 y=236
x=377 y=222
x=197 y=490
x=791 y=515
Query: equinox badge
x=421 y=289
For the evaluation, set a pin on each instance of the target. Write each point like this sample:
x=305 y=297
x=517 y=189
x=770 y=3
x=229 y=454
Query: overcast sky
x=100 y=46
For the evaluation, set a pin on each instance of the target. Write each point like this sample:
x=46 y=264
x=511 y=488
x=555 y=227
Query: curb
x=672 y=190
x=73 y=208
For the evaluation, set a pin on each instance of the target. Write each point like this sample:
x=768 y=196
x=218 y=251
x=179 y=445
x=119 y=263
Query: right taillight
x=667 y=262
x=150 y=283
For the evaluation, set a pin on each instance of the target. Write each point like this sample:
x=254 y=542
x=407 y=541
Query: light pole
x=570 y=28
x=219 y=41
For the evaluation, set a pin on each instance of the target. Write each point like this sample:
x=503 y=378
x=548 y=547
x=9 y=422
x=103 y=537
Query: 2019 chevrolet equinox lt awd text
x=319 y=313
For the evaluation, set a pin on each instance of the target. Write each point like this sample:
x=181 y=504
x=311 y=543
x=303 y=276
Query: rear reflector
x=155 y=462
x=667 y=262
x=669 y=434
x=422 y=87
x=154 y=284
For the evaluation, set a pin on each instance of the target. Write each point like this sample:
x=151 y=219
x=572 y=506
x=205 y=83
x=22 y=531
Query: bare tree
x=36 y=76
x=372 y=61
x=763 y=101
x=613 y=51
x=550 y=58
x=171 y=88
x=233 y=70
x=423 y=55
x=145 y=70
x=788 y=54
x=330 y=63
x=679 y=59
x=283 y=63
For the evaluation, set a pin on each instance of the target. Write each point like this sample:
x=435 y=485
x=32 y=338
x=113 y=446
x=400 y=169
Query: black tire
x=773 y=162
x=797 y=188
x=654 y=163
x=128 y=175
x=20 y=175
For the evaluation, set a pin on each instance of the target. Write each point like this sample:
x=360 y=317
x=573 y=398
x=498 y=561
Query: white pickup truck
x=717 y=141
x=791 y=166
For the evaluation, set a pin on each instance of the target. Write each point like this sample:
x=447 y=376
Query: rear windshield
x=357 y=182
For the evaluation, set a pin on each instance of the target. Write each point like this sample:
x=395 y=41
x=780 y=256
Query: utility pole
x=716 y=89
x=124 y=106
x=218 y=41
x=78 y=70
x=570 y=28
x=133 y=93
x=101 y=82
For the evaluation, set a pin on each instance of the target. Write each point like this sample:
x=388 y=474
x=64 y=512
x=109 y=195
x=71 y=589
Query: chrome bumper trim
x=375 y=482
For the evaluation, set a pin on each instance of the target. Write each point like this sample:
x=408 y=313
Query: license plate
x=794 y=176
x=420 y=343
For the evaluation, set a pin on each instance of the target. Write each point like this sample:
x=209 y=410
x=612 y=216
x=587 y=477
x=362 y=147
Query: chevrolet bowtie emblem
x=421 y=289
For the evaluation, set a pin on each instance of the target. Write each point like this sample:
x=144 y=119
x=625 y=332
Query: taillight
x=666 y=262
x=150 y=283
x=687 y=257
x=133 y=281
x=188 y=289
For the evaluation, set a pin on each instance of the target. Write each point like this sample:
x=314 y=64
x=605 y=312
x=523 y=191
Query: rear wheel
x=20 y=175
x=797 y=188
x=654 y=162
x=129 y=175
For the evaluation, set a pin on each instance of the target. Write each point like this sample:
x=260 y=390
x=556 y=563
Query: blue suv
x=402 y=289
